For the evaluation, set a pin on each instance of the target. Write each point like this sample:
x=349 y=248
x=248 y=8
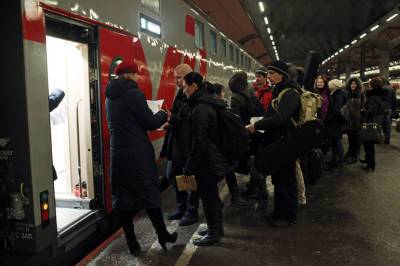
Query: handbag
x=371 y=132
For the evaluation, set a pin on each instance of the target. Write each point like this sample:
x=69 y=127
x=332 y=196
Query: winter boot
x=213 y=229
x=262 y=190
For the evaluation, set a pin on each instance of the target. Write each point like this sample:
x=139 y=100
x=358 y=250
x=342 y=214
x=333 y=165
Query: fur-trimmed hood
x=357 y=93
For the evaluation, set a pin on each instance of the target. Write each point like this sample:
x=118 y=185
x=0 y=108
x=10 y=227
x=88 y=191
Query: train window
x=198 y=34
x=223 y=47
x=231 y=52
x=152 y=5
x=237 y=56
x=150 y=26
x=213 y=42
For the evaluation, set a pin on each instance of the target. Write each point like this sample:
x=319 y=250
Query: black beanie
x=262 y=71
x=238 y=82
x=280 y=67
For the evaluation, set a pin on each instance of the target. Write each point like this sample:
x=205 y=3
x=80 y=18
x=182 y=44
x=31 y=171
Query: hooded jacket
x=134 y=177
x=355 y=103
x=201 y=137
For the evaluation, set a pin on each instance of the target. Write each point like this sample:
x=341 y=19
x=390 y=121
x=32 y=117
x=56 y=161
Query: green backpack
x=309 y=104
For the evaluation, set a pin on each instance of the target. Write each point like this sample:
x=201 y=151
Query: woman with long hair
x=373 y=113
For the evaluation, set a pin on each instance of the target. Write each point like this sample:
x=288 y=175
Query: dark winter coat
x=355 y=102
x=334 y=121
x=169 y=144
x=135 y=181
x=375 y=105
x=240 y=105
x=201 y=137
x=278 y=123
x=390 y=99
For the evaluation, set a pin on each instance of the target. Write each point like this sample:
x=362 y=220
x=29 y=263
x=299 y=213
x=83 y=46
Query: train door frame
x=63 y=27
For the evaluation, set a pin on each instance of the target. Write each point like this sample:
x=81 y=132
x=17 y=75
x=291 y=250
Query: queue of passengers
x=192 y=144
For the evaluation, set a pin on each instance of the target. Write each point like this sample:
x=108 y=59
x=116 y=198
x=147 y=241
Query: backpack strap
x=276 y=101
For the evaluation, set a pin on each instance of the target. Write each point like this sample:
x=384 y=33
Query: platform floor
x=352 y=218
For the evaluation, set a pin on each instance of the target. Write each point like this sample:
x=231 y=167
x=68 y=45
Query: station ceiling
x=298 y=26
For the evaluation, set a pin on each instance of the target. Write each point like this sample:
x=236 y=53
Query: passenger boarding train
x=75 y=46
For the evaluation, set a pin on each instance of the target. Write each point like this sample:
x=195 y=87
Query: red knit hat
x=126 y=67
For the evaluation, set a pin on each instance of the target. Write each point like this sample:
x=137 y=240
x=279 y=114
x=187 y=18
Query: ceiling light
x=374 y=27
x=271 y=37
x=261 y=5
x=392 y=17
x=353 y=42
x=269 y=30
x=363 y=35
x=341 y=50
x=266 y=20
x=347 y=46
x=273 y=42
x=336 y=53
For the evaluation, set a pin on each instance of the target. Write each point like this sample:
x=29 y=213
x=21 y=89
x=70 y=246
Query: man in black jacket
x=204 y=160
x=390 y=108
x=276 y=124
x=187 y=201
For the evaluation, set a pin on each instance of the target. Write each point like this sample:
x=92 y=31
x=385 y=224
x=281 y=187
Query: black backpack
x=234 y=140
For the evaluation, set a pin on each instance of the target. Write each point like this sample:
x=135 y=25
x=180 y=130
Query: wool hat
x=262 y=71
x=126 y=67
x=335 y=84
x=280 y=67
x=238 y=82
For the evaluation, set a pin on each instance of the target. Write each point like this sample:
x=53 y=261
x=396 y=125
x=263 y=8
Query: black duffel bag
x=371 y=132
x=289 y=148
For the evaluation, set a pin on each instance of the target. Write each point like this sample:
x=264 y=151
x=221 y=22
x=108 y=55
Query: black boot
x=234 y=190
x=129 y=230
x=220 y=226
x=262 y=190
x=164 y=236
x=213 y=227
x=251 y=187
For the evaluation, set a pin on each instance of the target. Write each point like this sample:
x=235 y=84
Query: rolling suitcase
x=287 y=149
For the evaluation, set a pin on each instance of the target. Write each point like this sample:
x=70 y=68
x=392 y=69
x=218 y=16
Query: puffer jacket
x=201 y=137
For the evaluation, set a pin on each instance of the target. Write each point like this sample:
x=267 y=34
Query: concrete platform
x=352 y=218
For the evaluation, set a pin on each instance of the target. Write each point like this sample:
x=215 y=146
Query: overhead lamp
x=261 y=5
x=273 y=42
x=269 y=30
x=211 y=25
x=266 y=20
x=363 y=35
x=354 y=41
x=347 y=46
x=341 y=50
x=392 y=17
x=374 y=27
x=336 y=53
x=271 y=37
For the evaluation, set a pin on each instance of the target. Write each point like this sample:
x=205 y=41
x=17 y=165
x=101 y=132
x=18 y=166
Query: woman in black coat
x=355 y=102
x=335 y=121
x=373 y=113
x=135 y=181
x=205 y=161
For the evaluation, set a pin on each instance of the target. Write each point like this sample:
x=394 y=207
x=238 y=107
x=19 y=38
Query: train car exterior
x=89 y=38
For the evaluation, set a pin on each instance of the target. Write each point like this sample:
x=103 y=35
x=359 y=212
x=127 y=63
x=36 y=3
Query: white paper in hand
x=155 y=106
